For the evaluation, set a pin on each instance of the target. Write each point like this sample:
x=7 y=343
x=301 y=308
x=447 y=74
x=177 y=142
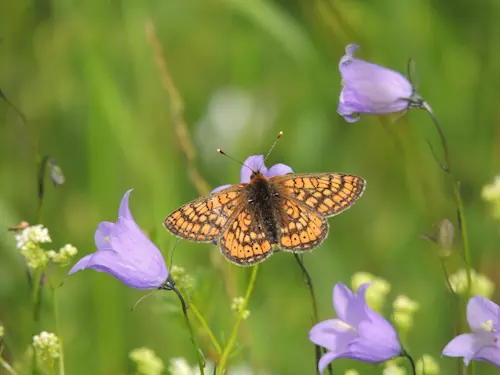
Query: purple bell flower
x=256 y=163
x=483 y=344
x=359 y=332
x=125 y=252
x=373 y=89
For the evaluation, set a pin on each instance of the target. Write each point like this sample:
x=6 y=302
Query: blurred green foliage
x=85 y=76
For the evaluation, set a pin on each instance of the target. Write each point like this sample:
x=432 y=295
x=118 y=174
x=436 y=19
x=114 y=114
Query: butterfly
x=251 y=220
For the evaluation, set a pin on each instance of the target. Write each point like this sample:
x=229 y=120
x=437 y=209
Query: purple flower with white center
x=373 y=89
x=125 y=252
x=483 y=344
x=256 y=163
x=358 y=333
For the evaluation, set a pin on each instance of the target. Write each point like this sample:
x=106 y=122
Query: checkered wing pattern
x=205 y=219
x=300 y=228
x=327 y=194
x=245 y=241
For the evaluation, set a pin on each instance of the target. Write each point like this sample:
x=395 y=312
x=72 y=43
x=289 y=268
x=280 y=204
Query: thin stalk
x=203 y=323
x=412 y=363
x=7 y=366
x=36 y=294
x=458 y=197
x=317 y=349
x=170 y=285
x=465 y=237
x=234 y=333
x=58 y=330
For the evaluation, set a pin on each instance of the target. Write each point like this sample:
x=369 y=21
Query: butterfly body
x=262 y=200
x=248 y=220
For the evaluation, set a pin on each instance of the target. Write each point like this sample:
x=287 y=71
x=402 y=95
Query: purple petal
x=378 y=333
x=464 y=345
x=81 y=264
x=278 y=170
x=481 y=310
x=126 y=253
x=351 y=49
x=371 y=351
x=124 y=269
x=325 y=360
x=219 y=188
x=254 y=163
x=371 y=88
x=489 y=354
x=349 y=307
x=332 y=334
x=101 y=237
x=124 y=211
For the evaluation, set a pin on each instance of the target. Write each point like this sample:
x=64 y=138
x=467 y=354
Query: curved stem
x=410 y=359
x=7 y=366
x=205 y=326
x=308 y=279
x=169 y=284
x=234 y=333
x=465 y=237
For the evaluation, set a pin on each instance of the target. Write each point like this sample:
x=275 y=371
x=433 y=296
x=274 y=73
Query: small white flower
x=238 y=306
x=35 y=234
x=183 y=280
x=427 y=365
x=351 y=372
x=2 y=331
x=404 y=304
x=147 y=362
x=47 y=346
x=63 y=257
x=481 y=285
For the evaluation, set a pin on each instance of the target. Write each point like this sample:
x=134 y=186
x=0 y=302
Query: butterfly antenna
x=272 y=148
x=234 y=159
x=143 y=297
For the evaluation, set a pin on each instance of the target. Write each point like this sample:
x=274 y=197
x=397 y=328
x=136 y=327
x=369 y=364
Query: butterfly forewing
x=204 y=219
x=326 y=193
x=245 y=241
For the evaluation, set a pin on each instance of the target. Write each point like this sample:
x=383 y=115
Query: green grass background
x=85 y=76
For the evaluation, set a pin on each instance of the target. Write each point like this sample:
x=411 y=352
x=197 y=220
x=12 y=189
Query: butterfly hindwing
x=300 y=228
x=245 y=241
x=204 y=219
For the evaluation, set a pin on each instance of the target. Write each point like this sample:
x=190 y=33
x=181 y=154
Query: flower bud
x=445 y=238
x=238 y=306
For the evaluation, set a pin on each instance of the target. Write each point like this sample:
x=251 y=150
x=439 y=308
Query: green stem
x=204 y=325
x=234 y=333
x=58 y=330
x=199 y=357
x=410 y=359
x=317 y=348
x=7 y=367
x=465 y=237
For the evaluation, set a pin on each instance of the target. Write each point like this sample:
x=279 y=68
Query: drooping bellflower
x=483 y=344
x=256 y=163
x=125 y=252
x=358 y=333
x=373 y=89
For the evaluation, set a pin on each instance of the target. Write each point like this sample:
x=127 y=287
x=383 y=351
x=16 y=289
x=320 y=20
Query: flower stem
x=412 y=363
x=205 y=326
x=458 y=197
x=308 y=279
x=7 y=367
x=170 y=285
x=232 y=339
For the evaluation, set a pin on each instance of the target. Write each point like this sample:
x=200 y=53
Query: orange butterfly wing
x=204 y=219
